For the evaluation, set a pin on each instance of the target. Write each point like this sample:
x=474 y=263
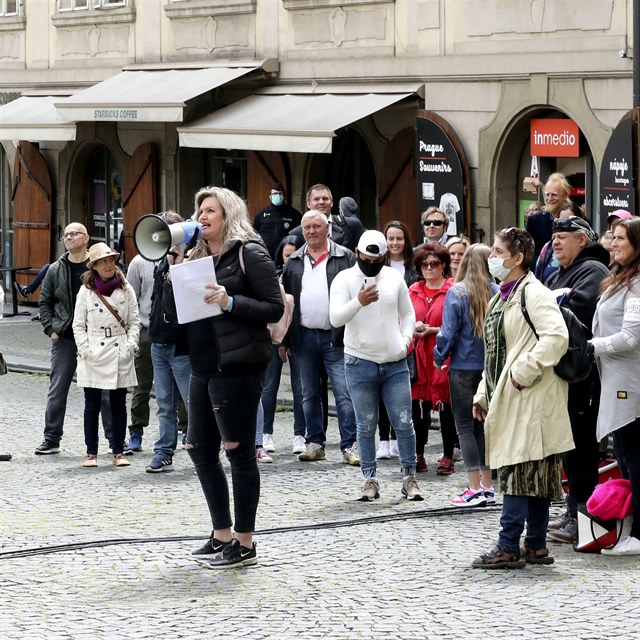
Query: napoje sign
x=555 y=137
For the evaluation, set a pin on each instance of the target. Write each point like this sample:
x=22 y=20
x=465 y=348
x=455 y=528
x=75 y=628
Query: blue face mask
x=277 y=199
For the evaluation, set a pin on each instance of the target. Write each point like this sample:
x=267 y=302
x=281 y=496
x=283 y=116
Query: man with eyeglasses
x=556 y=196
x=56 y=305
x=434 y=226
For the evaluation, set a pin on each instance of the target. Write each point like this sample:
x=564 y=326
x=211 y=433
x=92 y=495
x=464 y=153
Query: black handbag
x=412 y=364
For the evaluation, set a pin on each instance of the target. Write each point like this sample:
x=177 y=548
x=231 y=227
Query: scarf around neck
x=106 y=287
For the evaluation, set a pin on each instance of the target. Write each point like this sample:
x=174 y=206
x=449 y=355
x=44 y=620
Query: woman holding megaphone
x=229 y=354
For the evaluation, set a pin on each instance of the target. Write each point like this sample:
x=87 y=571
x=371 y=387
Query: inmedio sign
x=555 y=137
x=617 y=172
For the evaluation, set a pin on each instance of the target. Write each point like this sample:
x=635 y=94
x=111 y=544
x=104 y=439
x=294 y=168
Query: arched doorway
x=513 y=164
x=348 y=171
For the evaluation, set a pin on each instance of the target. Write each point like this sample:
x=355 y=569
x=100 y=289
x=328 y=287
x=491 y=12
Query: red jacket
x=432 y=384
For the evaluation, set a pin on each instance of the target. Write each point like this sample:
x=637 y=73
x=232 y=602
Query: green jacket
x=56 y=304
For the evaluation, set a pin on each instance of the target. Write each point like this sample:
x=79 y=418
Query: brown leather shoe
x=499 y=558
x=536 y=556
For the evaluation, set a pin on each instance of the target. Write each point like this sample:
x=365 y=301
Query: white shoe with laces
x=383 y=450
x=627 y=546
x=267 y=442
x=298 y=444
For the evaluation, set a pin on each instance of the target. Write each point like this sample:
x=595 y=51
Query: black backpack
x=576 y=364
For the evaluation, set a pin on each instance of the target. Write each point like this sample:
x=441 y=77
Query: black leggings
x=421 y=414
x=224 y=408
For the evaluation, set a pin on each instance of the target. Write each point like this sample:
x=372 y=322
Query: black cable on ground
x=336 y=524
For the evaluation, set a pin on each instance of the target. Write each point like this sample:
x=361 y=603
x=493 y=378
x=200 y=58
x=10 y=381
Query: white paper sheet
x=188 y=280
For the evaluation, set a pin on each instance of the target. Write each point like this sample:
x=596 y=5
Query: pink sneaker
x=470 y=498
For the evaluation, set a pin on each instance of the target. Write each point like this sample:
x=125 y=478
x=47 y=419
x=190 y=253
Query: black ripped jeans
x=223 y=408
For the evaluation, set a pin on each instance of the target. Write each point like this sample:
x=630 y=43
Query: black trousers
x=581 y=464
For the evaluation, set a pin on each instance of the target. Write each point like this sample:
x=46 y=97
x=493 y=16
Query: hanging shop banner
x=439 y=171
x=555 y=137
x=617 y=172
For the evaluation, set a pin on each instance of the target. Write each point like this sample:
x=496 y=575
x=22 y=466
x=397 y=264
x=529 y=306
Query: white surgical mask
x=497 y=268
x=277 y=199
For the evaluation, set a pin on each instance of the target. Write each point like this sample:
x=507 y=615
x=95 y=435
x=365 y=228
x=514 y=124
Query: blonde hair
x=474 y=274
x=458 y=240
x=235 y=224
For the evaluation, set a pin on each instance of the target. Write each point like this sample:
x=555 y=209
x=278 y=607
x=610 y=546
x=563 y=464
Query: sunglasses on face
x=433 y=264
x=433 y=223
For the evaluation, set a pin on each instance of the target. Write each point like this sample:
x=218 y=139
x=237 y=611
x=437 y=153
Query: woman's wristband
x=229 y=306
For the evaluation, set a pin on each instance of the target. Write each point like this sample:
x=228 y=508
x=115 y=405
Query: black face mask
x=370 y=269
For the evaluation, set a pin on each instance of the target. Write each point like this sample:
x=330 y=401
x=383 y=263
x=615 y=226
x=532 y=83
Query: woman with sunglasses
x=431 y=389
x=522 y=402
x=616 y=330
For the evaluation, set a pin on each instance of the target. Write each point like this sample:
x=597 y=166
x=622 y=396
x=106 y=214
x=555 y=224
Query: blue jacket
x=456 y=337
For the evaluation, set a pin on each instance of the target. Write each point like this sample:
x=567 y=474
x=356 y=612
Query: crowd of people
x=401 y=333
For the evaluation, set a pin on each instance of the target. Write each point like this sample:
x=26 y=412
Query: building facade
x=117 y=108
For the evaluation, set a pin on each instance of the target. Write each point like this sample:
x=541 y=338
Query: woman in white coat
x=522 y=402
x=106 y=326
x=616 y=340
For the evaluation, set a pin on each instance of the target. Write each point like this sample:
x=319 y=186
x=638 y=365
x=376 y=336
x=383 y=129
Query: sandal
x=499 y=558
x=536 y=556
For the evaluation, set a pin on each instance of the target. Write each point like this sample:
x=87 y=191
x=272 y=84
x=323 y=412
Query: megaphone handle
x=192 y=242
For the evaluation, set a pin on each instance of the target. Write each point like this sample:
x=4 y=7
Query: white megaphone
x=153 y=237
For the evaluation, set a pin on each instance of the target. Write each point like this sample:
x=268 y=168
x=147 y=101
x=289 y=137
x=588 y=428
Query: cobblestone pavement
x=330 y=566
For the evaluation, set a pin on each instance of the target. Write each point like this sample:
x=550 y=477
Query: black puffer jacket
x=583 y=276
x=238 y=341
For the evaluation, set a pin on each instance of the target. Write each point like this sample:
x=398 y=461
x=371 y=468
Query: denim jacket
x=456 y=336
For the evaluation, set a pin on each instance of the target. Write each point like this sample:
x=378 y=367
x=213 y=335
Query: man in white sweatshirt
x=372 y=302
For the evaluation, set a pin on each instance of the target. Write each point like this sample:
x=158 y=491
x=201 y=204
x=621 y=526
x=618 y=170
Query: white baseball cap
x=373 y=244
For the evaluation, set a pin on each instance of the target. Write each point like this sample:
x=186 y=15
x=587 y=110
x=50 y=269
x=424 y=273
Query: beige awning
x=146 y=96
x=34 y=119
x=293 y=121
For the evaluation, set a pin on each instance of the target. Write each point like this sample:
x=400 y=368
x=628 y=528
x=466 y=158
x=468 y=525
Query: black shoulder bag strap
x=525 y=313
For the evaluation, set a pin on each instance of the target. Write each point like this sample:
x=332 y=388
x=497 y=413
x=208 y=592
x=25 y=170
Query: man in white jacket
x=372 y=302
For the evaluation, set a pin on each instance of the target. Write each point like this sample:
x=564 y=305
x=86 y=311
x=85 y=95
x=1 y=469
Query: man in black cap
x=277 y=220
x=583 y=267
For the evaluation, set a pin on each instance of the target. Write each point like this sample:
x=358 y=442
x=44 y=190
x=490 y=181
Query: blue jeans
x=63 y=365
x=368 y=382
x=516 y=510
x=171 y=374
x=270 y=393
x=463 y=385
x=223 y=408
x=314 y=350
x=93 y=400
x=259 y=423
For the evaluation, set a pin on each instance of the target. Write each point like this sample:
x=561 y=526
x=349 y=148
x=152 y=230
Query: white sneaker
x=457 y=455
x=393 y=449
x=627 y=546
x=262 y=455
x=383 y=450
x=267 y=442
x=298 y=444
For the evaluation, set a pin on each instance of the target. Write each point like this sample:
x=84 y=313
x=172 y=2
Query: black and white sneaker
x=46 y=448
x=210 y=549
x=21 y=290
x=234 y=555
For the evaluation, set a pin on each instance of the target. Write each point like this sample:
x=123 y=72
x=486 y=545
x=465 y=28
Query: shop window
x=104 y=185
x=10 y=8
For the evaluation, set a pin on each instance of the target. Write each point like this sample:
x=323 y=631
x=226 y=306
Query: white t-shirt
x=314 y=295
